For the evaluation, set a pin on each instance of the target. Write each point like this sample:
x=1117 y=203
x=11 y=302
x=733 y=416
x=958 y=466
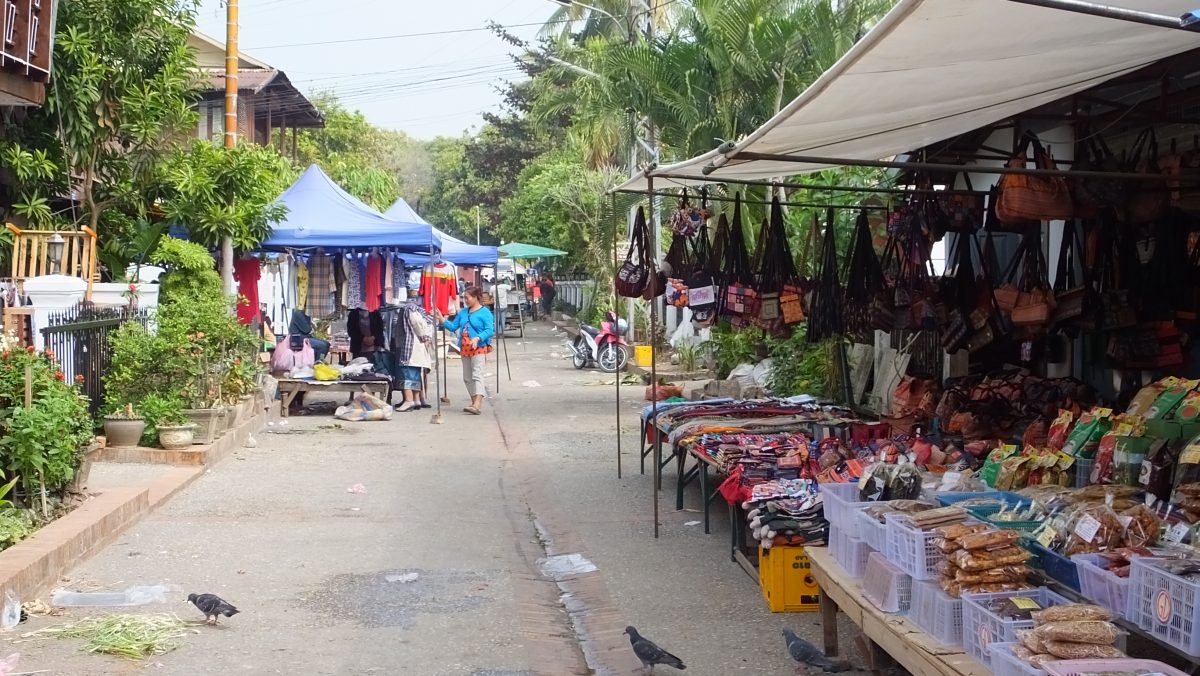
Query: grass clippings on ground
x=131 y=636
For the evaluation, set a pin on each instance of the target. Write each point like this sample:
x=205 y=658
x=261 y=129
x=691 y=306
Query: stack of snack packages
x=981 y=559
x=1073 y=631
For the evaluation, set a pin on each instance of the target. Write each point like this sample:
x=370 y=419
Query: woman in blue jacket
x=474 y=326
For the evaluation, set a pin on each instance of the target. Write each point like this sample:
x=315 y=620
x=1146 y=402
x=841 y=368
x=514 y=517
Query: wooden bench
x=887 y=634
x=290 y=387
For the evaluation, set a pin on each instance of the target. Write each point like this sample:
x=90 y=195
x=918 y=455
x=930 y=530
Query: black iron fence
x=79 y=338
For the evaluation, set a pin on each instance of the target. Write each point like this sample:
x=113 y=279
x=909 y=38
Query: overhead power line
x=453 y=31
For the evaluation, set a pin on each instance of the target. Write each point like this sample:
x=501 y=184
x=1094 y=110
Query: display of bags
x=679 y=261
x=285 y=358
x=1092 y=194
x=864 y=279
x=825 y=318
x=1073 y=293
x=634 y=275
x=777 y=274
x=1026 y=198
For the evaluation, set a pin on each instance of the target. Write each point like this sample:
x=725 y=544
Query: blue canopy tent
x=321 y=214
x=453 y=249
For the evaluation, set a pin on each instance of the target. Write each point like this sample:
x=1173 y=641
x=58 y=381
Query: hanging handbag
x=634 y=274
x=702 y=297
x=740 y=300
x=1033 y=198
x=825 y=313
x=864 y=279
x=1149 y=198
x=1092 y=194
x=777 y=273
x=1072 y=295
x=678 y=260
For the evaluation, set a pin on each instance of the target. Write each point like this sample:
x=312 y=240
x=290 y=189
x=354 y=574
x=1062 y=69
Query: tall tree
x=119 y=102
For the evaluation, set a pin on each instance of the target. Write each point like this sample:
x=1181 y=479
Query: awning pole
x=654 y=361
x=1119 y=13
x=923 y=166
x=595 y=299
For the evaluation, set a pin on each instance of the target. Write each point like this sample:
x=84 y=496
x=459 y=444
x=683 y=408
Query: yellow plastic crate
x=785 y=575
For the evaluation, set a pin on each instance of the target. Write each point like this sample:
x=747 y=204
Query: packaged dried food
x=1093 y=493
x=1187 y=471
x=1158 y=468
x=1142 y=526
x=952 y=588
x=991 y=466
x=1144 y=399
x=989 y=540
x=1085 y=436
x=996 y=587
x=1170 y=398
x=1041 y=661
x=946 y=546
x=1072 y=612
x=1066 y=650
x=1099 y=632
x=1057 y=436
x=1095 y=528
x=993 y=575
x=946 y=569
x=1021 y=652
x=935 y=518
x=983 y=560
x=1013 y=473
x=959 y=530
x=1030 y=640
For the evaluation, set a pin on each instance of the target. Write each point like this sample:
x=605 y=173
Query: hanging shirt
x=439 y=280
x=321 y=288
x=354 y=285
x=389 y=291
x=373 y=285
x=301 y=284
x=247 y=272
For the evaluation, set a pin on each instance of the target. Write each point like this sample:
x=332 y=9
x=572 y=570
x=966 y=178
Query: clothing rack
x=710 y=198
x=813 y=186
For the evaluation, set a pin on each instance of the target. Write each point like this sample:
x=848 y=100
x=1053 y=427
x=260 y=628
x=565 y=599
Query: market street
x=469 y=507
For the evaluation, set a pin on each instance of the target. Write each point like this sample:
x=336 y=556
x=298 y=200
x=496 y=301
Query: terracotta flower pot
x=176 y=437
x=123 y=432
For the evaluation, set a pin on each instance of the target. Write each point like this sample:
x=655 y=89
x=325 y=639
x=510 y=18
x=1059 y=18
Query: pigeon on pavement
x=807 y=654
x=649 y=653
x=212 y=606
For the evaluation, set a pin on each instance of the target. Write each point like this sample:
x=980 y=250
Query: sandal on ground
x=472 y=410
x=407 y=406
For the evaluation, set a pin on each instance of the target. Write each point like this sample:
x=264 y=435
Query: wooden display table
x=290 y=387
x=894 y=635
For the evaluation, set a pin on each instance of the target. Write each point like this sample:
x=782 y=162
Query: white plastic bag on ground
x=365 y=407
x=762 y=373
x=743 y=374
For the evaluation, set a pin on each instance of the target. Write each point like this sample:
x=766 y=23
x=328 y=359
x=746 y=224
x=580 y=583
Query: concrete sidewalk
x=470 y=507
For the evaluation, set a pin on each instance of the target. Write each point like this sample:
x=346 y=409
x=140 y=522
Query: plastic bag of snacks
x=1059 y=429
x=1085 y=436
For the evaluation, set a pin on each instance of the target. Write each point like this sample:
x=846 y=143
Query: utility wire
x=453 y=31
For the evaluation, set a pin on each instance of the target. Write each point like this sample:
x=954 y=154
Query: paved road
x=471 y=507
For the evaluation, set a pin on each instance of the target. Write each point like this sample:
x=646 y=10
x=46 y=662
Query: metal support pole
x=620 y=374
x=657 y=486
x=231 y=122
x=1119 y=13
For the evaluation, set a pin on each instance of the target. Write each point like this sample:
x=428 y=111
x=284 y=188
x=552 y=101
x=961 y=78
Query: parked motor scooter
x=604 y=347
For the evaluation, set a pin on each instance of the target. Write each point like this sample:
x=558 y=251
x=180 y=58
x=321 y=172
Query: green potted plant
x=166 y=423
x=123 y=427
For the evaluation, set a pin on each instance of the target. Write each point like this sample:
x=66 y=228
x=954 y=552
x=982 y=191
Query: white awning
x=934 y=69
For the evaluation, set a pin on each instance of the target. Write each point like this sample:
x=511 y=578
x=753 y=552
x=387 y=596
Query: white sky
x=427 y=86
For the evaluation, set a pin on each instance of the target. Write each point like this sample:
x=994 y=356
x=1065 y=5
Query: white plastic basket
x=937 y=613
x=911 y=548
x=1081 y=667
x=1165 y=605
x=873 y=531
x=840 y=501
x=851 y=554
x=1005 y=663
x=1101 y=586
x=982 y=627
x=886 y=586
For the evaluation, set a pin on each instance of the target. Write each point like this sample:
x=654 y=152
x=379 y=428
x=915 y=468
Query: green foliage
x=798 y=367
x=120 y=99
x=15 y=526
x=42 y=443
x=226 y=192
x=197 y=345
x=734 y=346
x=160 y=409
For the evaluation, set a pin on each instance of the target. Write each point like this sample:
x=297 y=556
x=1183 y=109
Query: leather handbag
x=1092 y=194
x=1025 y=198
x=634 y=274
x=1149 y=199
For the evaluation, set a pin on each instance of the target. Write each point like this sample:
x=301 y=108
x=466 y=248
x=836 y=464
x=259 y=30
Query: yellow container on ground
x=785 y=575
x=643 y=355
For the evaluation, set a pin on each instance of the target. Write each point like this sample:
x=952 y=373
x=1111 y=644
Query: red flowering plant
x=41 y=443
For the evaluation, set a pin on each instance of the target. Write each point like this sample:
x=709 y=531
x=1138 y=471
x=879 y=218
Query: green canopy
x=527 y=251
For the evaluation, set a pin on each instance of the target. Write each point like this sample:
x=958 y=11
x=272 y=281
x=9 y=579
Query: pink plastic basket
x=1079 y=667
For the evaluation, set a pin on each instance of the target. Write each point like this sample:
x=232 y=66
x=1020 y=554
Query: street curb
x=31 y=566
